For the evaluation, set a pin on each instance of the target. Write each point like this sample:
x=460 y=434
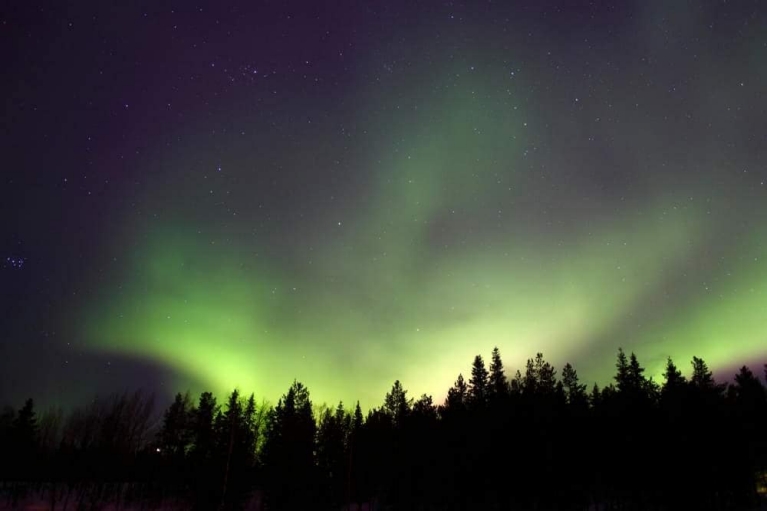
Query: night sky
x=203 y=195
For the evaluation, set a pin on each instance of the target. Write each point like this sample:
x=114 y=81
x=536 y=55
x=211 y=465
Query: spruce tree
x=546 y=376
x=207 y=409
x=479 y=382
x=396 y=403
x=289 y=451
x=498 y=383
x=176 y=432
x=575 y=391
x=457 y=395
x=357 y=421
x=622 y=378
x=673 y=377
x=701 y=377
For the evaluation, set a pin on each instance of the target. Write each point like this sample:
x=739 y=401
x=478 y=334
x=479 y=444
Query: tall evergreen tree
x=424 y=407
x=498 y=385
x=575 y=391
x=622 y=378
x=204 y=438
x=331 y=455
x=636 y=373
x=457 y=395
x=396 y=404
x=595 y=398
x=479 y=382
x=289 y=451
x=24 y=437
x=176 y=432
x=357 y=421
x=673 y=377
x=530 y=380
x=516 y=384
x=539 y=378
x=701 y=377
x=25 y=427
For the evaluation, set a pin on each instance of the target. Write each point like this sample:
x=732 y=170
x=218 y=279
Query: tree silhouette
x=538 y=443
x=289 y=447
x=396 y=404
x=176 y=432
x=622 y=378
x=674 y=379
x=332 y=460
x=701 y=377
x=576 y=392
x=457 y=396
x=25 y=427
x=478 y=383
x=498 y=385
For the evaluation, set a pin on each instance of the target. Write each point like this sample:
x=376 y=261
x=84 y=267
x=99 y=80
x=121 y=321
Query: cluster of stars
x=15 y=262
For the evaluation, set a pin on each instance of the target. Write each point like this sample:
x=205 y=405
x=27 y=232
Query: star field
x=203 y=197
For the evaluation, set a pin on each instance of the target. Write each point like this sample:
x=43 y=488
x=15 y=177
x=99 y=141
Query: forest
x=536 y=440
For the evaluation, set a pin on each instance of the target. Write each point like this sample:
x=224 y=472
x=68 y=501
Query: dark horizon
x=540 y=440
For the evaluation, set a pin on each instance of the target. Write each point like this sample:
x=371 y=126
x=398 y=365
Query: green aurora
x=410 y=287
x=451 y=231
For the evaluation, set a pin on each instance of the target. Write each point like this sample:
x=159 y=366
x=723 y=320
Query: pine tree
x=530 y=380
x=575 y=391
x=249 y=431
x=479 y=382
x=176 y=432
x=498 y=384
x=424 y=407
x=24 y=437
x=622 y=378
x=357 y=421
x=701 y=377
x=25 y=426
x=457 y=396
x=546 y=375
x=595 y=399
x=289 y=451
x=396 y=404
x=673 y=377
x=203 y=444
x=331 y=459
x=516 y=384
x=636 y=373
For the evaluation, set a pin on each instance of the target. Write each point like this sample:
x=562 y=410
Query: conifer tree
x=516 y=384
x=530 y=380
x=673 y=377
x=357 y=421
x=575 y=391
x=203 y=444
x=595 y=398
x=636 y=374
x=622 y=378
x=479 y=382
x=457 y=395
x=424 y=407
x=25 y=427
x=701 y=377
x=289 y=451
x=498 y=383
x=396 y=403
x=176 y=432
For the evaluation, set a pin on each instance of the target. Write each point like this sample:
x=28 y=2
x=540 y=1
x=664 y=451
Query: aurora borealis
x=346 y=193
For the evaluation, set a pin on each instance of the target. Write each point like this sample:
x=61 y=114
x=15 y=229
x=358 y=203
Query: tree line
x=536 y=441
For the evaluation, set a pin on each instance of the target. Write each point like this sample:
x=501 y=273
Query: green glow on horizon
x=726 y=325
x=424 y=275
